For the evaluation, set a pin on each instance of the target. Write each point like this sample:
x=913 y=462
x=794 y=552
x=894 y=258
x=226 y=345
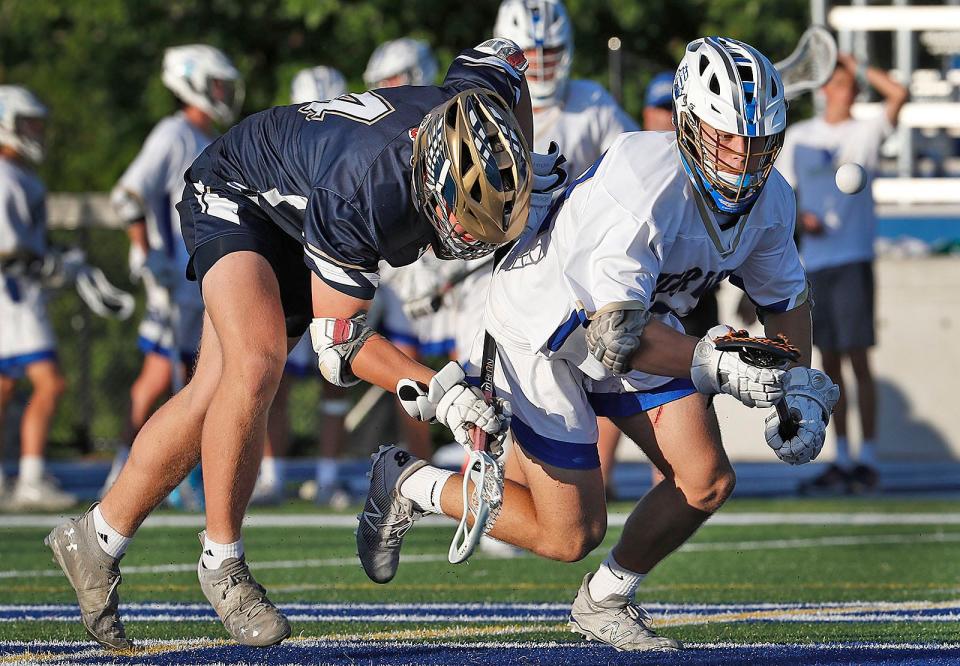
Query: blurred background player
x=210 y=92
x=836 y=246
x=308 y=85
x=27 y=345
x=401 y=62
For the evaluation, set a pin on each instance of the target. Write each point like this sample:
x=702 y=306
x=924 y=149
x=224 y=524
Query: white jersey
x=156 y=177
x=631 y=233
x=25 y=332
x=584 y=125
x=812 y=151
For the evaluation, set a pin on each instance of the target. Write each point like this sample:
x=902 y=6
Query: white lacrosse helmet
x=22 y=122
x=202 y=76
x=542 y=29
x=736 y=90
x=401 y=62
x=317 y=83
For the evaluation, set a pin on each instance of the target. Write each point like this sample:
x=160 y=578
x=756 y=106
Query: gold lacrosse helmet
x=471 y=174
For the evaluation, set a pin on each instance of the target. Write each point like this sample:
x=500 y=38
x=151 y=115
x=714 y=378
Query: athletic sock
x=31 y=469
x=110 y=541
x=868 y=453
x=215 y=553
x=271 y=471
x=424 y=488
x=843 y=460
x=326 y=472
x=611 y=578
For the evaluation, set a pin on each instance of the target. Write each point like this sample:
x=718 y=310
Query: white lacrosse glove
x=61 y=267
x=714 y=371
x=454 y=403
x=808 y=400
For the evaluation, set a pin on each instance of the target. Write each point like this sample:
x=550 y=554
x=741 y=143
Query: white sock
x=215 y=553
x=31 y=469
x=272 y=471
x=843 y=453
x=326 y=472
x=110 y=541
x=868 y=453
x=611 y=578
x=425 y=486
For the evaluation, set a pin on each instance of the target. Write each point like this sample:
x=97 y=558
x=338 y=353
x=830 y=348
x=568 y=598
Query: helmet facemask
x=733 y=172
x=31 y=133
x=226 y=98
x=472 y=187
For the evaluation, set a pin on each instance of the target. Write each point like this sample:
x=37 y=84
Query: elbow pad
x=613 y=337
x=337 y=342
x=127 y=205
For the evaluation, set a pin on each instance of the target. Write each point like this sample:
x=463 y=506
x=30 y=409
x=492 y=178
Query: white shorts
x=431 y=335
x=25 y=333
x=555 y=406
x=156 y=333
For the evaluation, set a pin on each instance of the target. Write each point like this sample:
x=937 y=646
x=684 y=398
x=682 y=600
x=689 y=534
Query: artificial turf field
x=786 y=582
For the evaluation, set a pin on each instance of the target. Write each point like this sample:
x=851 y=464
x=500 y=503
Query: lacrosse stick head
x=484 y=504
x=811 y=64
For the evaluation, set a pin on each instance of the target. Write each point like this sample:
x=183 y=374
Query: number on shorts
x=366 y=108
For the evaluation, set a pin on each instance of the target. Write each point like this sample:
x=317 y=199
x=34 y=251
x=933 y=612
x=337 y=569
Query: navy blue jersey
x=336 y=174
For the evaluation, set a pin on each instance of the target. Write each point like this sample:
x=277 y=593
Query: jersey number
x=366 y=108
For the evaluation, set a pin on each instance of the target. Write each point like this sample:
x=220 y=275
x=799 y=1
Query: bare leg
x=866 y=393
x=168 y=445
x=48 y=386
x=151 y=384
x=333 y=434
x=559 y=513
x=243 y=302
x=685 y=445
x=7 y=385
x=278 y=423
x=607 y=448
x=833 y=366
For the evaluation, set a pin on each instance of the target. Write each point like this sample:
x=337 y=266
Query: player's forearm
x=380 y=363
x=664 y=351
x=795 y=325
x=894 y=94
x=137 y=233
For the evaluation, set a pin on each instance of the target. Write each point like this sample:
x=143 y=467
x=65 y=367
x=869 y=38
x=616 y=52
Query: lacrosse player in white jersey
x=577 y=114
x=627 y=249
x=210 y=91
x=310 y=84
x=27 y=345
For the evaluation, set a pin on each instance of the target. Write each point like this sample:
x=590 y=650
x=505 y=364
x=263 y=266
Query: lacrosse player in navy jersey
x=286 y=217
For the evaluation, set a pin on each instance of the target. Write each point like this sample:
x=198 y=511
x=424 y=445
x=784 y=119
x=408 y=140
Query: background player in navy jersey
x=286 y=217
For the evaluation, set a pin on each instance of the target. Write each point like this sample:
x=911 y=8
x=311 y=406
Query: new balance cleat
x=616 y=621
x=242 y=604
x=387 y=515
x=94 y=576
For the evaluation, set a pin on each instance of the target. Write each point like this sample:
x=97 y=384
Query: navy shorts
x=843 y=307
x=216 y=222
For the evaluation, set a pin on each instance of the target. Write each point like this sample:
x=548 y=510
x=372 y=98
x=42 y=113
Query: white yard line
x=770 y=544
x=613 y=520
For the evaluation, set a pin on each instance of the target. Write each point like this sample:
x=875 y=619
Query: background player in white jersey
x=836 y=245
x=630 y=246
x=27 y=345
x=401 y=62
x=210 y=91
x=312 y=83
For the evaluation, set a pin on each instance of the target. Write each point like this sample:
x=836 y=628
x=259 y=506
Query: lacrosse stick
x=101 y=296
x=484 y=470
x=775 y=352
x=811 y=64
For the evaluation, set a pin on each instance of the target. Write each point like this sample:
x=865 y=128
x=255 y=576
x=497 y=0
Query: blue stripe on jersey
x=577 y=318
x=13 y=289
x=556 y=205
x=13 y=366
x=165 y=224
x=779 y=306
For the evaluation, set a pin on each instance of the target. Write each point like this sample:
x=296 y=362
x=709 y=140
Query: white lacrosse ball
x=851 y=178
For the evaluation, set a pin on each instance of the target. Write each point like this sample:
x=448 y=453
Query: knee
x=572 y=545
x=256 y=374
x=52 y=386
x=710 y=493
